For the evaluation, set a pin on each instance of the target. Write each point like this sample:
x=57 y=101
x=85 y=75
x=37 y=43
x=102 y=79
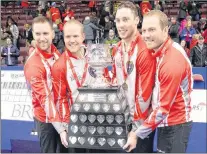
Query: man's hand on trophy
x=63 y=137
x=65 y=125
x=131 y=142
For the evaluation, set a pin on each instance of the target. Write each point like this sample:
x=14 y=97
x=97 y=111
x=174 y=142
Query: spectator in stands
x=157 y=5
x=68 y=14
x=42 y=3
x=198 y=55
x=98 y=34
x=88 y=30
x=92 y=5
x=161 y=5
x=174 y=30
x=111 y=39
x=61 y=44
x=57 y=37
x=4 y=36
x=182 y=11
x=187 y=33
x=60 y=27
x=36 y=13
x=145 y=6
x=28 y=34
x=42 y=10
x=25 y=6
x=11 y=25
x=111 y=18
x=193 y=10
x=48 y=15
x=108 y=26
x=115 y=6
x=94 y=19
x=48 y=6
x=55 y=14
x=202 y=25
x=194 y=41
x=66 y=19
x=104 y=11
x=204 y=34
x=183 y=23
x=183 y=44
x=11 y=53
x=3 y=42
x=2 y=60
x=62 y=8
x=108 y=5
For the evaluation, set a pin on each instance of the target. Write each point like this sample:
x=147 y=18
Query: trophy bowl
x=99 y=58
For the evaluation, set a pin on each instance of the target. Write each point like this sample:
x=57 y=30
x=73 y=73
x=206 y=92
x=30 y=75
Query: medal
x=125 y=86
x=125 y=70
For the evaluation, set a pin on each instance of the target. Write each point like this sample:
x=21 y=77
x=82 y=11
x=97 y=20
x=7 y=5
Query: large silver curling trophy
x=99 y=57
x=98 y=116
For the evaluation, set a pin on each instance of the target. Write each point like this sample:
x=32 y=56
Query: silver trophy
x=99 y=57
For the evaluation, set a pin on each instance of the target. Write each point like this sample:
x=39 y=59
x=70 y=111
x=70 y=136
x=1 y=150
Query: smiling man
x=171 y=101
x=37 y=72
x=69 y=73
x=134 y=69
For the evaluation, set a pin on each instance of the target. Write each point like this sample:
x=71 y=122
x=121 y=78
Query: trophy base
x=98 y=119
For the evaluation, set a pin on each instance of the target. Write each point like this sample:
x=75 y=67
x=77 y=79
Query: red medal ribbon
x=74 y=73
x=130 y=53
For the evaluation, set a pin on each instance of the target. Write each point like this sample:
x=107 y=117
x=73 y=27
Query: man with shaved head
x=69 y=73
x=171 y=97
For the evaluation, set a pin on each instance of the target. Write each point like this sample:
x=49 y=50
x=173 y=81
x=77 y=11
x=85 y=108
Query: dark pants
x=174 y=139
x=49 y=138
x=145 y=145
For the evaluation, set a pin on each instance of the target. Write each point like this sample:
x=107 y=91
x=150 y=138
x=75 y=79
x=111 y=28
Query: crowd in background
x=99 y=27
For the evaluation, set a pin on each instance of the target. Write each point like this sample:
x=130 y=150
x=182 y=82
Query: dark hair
x=10 y=18
x=184 y=41
x=130 y=5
